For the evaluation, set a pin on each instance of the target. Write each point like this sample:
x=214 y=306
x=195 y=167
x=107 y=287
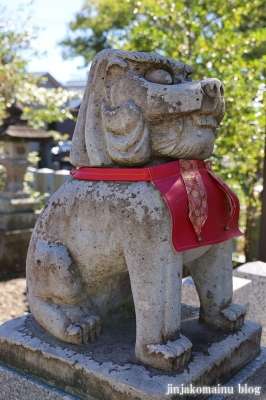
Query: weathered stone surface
x=92 y=277
x=250 y=379
x=98 y=243
x=131 y=114
x=17 y=386
x=256 y=297
x=107 y=368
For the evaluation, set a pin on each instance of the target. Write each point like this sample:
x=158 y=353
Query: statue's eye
x=159 y=76
x=188 y=78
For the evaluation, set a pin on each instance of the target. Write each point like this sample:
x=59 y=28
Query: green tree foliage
x=219 y=39
x=16 y=49
x=97 y=27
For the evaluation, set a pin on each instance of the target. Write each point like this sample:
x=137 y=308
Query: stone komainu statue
x=146 y=204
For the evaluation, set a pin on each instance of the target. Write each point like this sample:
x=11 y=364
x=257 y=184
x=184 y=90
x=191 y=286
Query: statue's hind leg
x=56 y=295
x=212 y=274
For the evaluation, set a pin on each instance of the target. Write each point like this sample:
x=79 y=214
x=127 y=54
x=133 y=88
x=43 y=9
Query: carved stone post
x=15 y=161
x=17 y=210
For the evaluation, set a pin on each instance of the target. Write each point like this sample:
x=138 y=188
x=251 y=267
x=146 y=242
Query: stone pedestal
x=107 y=368
x=242 y=289
x=60 y=177
x=17 y=386
x=248 y=384
x=256 y=297
x=33 y=172
x=45 y=180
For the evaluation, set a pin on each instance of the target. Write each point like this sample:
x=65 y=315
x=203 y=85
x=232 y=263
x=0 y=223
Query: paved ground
x=13 y=302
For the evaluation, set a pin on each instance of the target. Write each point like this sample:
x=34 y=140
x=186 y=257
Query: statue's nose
x=213 y=87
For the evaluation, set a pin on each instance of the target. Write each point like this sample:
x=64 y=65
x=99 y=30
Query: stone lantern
x=18 y=212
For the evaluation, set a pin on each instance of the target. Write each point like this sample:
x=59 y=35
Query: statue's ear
x=115 y=68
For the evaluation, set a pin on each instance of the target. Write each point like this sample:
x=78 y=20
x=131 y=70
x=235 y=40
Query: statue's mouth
x=205 y=121
x=201 y=121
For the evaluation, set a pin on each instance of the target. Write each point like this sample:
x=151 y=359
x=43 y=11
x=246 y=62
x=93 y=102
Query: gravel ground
x=13 y=301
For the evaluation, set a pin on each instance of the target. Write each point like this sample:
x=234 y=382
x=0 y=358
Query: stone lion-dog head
x=137 y=108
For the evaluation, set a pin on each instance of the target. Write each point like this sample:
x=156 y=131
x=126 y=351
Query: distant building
x=68 y=125
x=76 y=85
x=50 y=83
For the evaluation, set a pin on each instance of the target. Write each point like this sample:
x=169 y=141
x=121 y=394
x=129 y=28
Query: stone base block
x=248 y=384
x=107 y=368
x=13 y=251
x=250 y=379
x=18 y=205
x=18 y=220
x=16 y=386
x=241 y=292
x=256 y=299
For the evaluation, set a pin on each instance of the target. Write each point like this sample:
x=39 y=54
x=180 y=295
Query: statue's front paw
x=234 y=315
x=85 y=330
x=230 y=318
x=169 y=357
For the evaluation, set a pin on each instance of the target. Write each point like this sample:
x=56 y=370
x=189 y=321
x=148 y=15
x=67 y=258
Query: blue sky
x=51 y=16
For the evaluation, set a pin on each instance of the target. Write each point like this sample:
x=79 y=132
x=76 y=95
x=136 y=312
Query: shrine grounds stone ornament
x=142 y=203
x=138 y=109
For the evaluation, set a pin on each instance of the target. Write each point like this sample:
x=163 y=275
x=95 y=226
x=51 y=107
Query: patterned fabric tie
x=197 y=195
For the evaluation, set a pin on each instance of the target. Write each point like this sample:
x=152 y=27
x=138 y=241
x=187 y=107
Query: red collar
x=131 y=174
x=203 y=208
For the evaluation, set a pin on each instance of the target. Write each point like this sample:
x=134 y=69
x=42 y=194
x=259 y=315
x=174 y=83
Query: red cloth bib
x=204 y=210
